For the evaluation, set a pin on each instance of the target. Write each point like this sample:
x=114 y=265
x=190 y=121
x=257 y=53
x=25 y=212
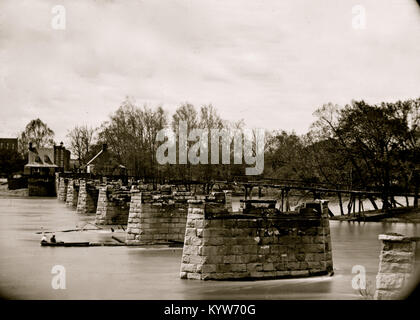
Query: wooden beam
x=287 y=200
x=340 y=202
x=282 y=200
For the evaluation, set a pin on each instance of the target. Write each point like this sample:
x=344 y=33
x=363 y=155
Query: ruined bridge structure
x=398 y=272
x=108 y=201
x=81 y=194
x=257 y=242
x=162 y=209
x=161 y=216
x=88 y=196
x=113 y=204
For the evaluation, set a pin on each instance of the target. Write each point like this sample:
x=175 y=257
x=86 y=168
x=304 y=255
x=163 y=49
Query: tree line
x=358 y=146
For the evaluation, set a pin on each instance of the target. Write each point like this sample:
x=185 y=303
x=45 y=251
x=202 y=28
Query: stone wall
x=62 y=189
x=396 y=265
x=157 y=217
x=57 y=182
x=161 y=216
x=260 y=243
x=113 y=205
x=72 y=193
x=88 y=197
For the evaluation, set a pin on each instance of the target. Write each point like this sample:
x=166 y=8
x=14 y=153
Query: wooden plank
x=340 y=201
x=282 y=200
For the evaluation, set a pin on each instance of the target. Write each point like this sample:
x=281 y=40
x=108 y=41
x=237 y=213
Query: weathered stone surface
x=390 y=281
x=386 y=295
x=396 y=268
x=158 y=216
x=396 y=265
x=224 y=246
x=62 y=189
x=72 y=193
x=113 y=205
x=88 y=197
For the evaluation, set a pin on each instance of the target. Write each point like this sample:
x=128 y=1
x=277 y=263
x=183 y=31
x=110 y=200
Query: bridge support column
x=396 y=266
x=113 y=206
x=220 y=245
x=88 y=198
x=57 y=182
x=72 y=194
x=156 y=217
x=62 y=189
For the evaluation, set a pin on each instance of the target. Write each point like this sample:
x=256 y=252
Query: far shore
x=401 y=214
x=5 y=192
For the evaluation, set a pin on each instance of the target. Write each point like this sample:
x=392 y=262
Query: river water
x=141 y=273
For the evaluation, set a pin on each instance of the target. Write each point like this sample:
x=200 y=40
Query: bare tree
x=81 y=140
x=131 y=135
x=37 y=132
x=186 y=112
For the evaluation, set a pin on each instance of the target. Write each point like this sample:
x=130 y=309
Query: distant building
x=90 y=166
x=8 y=144
x=42 y=165
x=62 y=157
x=47 y=161
x=11 y=160
x=105 y=164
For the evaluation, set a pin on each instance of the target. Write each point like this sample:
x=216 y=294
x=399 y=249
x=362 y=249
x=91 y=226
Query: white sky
x=271 y=63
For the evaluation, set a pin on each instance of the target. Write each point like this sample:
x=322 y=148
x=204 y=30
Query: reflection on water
x=138 y=273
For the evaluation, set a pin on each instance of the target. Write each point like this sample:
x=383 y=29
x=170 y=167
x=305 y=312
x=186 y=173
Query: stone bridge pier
x=156 y=216
x=88 y=196
x=161 y=217
x=62 y=189
x=57 y=182
x=113 y=205
x=259 y=243
x=396 y=266
x=72 y=193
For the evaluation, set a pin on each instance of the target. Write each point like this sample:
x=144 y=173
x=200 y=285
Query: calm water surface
x=138 y=273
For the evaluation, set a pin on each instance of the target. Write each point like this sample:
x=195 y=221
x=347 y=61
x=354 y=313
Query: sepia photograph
x=232 y=151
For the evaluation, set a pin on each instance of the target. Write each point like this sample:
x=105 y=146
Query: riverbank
x=5 y=192
x=403 y=214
